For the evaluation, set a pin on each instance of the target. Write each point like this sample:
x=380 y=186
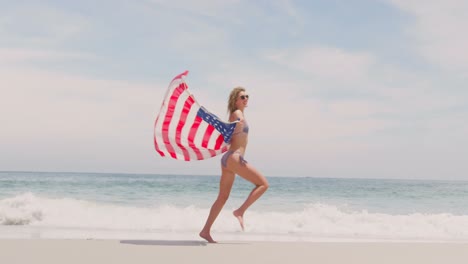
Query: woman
x=233 y=163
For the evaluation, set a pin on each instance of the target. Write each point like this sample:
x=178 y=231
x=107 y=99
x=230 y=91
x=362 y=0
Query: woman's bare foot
x=239 y=217
x=207 y=237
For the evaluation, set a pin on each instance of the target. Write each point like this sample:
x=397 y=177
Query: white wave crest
x=314 y=221
x=20 y=210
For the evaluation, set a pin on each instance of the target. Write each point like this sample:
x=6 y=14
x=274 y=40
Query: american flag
x=185 y=130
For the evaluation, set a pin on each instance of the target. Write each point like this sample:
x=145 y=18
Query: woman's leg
x=225 y=185
x=248 y=172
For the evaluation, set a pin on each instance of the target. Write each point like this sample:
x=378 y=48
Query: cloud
x=325 y=62
x=40 y=25
x=383 y=114
x=18 y=55
x=53 y=120
x=288 y=8
x=438 y=31
x=210 y=8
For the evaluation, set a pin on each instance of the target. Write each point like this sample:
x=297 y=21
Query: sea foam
x=312 y=222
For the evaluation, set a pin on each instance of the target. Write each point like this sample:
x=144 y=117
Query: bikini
x=226 y=155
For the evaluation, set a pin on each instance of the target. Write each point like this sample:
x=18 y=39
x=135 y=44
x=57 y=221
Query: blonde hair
x=233 y=98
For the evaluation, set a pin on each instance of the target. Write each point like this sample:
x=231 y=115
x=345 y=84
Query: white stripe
x=174 y=122
x=200 y=133
x=214 y=136
x=186 y=130
x=170 y=133
x=158 y=130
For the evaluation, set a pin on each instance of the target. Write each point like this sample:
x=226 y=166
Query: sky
x=342 y=89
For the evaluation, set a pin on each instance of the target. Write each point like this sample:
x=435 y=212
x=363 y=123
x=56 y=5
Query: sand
x=19 y=251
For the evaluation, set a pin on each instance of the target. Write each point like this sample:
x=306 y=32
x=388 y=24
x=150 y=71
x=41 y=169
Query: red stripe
x=180 y=76
x=183 y=116
x=219 y=142
x=212 y=152
x=167 y=120
x=206 y=137
x=191 y=138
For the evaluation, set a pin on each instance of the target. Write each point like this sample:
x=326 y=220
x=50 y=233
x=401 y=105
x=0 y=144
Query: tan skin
x=234 y=166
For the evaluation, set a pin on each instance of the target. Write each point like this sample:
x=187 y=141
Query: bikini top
x=245 y=129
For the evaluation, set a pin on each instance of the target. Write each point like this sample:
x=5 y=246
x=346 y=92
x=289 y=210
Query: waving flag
x=185 y=130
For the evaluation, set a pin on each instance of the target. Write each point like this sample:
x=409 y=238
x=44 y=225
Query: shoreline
x=19 y=232
x=15 y=232
x=195 y=251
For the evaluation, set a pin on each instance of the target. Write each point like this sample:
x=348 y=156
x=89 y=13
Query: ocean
x=144 y=206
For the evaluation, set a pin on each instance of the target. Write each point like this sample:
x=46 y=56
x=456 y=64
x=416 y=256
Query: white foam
x=75 y=218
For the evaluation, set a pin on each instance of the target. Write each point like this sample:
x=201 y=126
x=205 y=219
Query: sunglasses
x=243 y=97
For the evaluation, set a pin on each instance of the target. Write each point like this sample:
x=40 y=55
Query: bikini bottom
x=226 y=156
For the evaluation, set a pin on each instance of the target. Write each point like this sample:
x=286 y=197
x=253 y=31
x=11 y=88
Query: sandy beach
x=19 y=251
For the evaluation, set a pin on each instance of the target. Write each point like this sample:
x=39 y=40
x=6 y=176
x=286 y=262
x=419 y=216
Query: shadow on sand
x=165 y=242
x=190 y=243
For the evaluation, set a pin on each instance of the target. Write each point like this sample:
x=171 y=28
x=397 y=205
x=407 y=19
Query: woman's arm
x=236 y=115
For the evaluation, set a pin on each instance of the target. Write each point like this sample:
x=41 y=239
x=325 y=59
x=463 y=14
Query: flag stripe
x=186 y=109
x=219 y=142
x=207 y=136
x=206 y=140
x=156 y=141
x=167 y=121
x=187 y=128
x=180 y=114
x=192 y=134
x=198 y=140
